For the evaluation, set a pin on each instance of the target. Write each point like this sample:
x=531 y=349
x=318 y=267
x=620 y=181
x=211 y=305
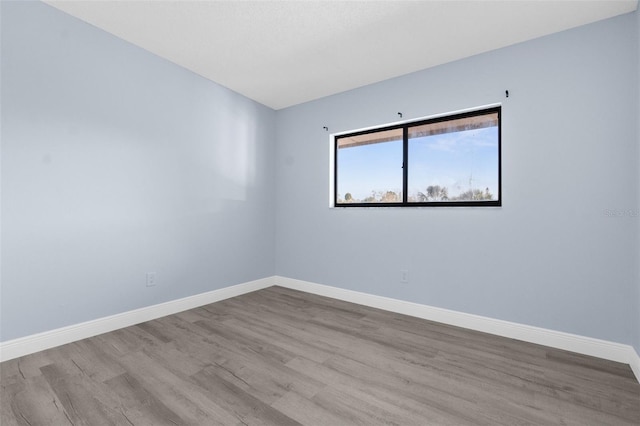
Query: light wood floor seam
x=283 y=357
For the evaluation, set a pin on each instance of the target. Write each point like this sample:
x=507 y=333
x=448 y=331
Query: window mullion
x=405 y=164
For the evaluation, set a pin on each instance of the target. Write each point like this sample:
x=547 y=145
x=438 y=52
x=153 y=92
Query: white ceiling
x=283 y=53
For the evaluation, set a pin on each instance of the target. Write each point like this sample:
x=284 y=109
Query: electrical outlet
x=151 y=279
x=404 y=275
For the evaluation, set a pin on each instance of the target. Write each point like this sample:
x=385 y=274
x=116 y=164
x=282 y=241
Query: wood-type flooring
x=283 y=357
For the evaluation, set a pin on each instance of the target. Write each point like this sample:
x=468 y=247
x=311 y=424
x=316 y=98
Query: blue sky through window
x=459 y=161
x=370 y=168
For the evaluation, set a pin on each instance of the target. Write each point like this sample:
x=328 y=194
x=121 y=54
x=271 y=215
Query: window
x=445 y=161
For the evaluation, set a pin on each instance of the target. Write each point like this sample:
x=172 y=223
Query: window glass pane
x=455 y=160
x=369 y=168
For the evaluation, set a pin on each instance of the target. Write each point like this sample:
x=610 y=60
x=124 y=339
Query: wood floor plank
x=31 y=402
x=247 y=408
x=435 y=404
x=279 y=356
x=139 y=404
x=307 y=411
x=88 y=357
x=257 y=329
x=244 y=340
x=177 y=392
x=85 y=401
x=176 y=358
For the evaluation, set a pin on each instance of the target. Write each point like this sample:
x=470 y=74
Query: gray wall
x=637 y=298
x=554 y=255
x=114 y=163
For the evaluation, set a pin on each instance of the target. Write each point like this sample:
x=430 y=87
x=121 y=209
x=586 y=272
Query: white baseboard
x=556 y=339
x=49 y=339
x=634 y=363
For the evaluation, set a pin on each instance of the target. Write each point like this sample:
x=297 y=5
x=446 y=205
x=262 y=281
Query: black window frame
x=405 y=169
